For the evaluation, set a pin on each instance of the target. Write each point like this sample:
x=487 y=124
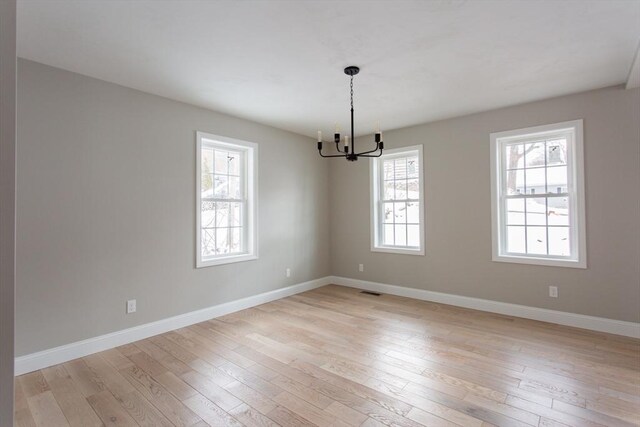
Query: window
x=397 y=202
x=538 y=195
x=226 y=200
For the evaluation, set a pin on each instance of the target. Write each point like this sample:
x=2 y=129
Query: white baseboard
x=600 y=324
x=64 y=353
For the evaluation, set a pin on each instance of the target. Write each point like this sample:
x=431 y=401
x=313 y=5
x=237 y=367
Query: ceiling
x=280 y=62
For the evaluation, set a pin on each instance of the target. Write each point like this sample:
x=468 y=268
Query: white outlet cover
x=131 y=306
x=288 y=272
x=553 y=291
x=361 y=267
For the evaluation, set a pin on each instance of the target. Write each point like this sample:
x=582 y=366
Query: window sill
x=391 y=250
x=225 y=260
x=549 y=262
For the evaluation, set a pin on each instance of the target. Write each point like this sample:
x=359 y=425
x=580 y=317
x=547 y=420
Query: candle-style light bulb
x=337 y=128
x=346 y=140
x=319 y=136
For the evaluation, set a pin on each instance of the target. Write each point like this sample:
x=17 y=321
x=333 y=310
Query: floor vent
x=375 y=294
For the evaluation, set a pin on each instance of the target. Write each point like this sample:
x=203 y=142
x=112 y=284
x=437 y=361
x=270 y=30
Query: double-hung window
x=226 y=200
x=538 y=195
x=397 y=201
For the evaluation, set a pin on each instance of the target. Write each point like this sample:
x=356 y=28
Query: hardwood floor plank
x=107 y=376
x=173 y=349
x=551 y=415
x=213 y=373
x=616 y=408
x=380 y=399
x=589 y=414
x=142 y=411
x=23 y=416
x=20 y=399
x=307 y=410
x=261 y=371
x=74 y=406
x=176 y=386
x=251 y=397
x=165 y=359
x=286 y=418
x=199 y=336
x=298 y=389
x=211 y=413
x=196 y=348
x=211 y=390
x=250 y=379
x=116 y=359
x=546 y=422
x=109 y=410
x=33 y=383
x=555 y=391
x=45 y=410
x=428 y=419
x=170 y=407
x=147 y=363
x=88 y=382
x=426 y=405
x=504 y=409
x=250 y=417
x=346 y=414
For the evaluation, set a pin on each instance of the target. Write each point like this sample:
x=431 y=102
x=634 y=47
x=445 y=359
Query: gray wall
x=458 y=211
x=7 y=203
x=106 y=209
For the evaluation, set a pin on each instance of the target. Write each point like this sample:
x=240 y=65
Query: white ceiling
x=280 y=62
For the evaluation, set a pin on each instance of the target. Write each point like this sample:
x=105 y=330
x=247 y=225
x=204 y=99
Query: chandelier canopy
x=347 y=152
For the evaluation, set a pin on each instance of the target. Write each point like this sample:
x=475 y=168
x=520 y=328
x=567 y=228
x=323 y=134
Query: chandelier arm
x=370 y=151
x=371 y=155
x=330 y=155
x=338 y=148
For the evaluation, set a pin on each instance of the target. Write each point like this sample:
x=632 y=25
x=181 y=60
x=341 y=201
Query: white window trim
x=576 y=178
x=251 y=165
x=375 y=190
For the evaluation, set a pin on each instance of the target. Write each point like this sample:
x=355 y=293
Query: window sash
x=242 y=168
x=242 y=228
x=381 y=222
x=570 y=194
x=216 y=148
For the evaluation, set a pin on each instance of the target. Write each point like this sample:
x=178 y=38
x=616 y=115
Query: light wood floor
x=334 y=356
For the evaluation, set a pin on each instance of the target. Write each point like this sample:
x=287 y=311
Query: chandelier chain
x=352 y=92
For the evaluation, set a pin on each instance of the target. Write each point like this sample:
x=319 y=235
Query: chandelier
x=347 y=152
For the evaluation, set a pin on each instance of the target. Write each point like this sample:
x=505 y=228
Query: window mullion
x=534 y=196
x=546 y=199
x=379 y=195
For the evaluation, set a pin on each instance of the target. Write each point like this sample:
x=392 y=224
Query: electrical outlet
x=553 y=291
x=288 y=272
x=131 y=306
x=360 y=267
